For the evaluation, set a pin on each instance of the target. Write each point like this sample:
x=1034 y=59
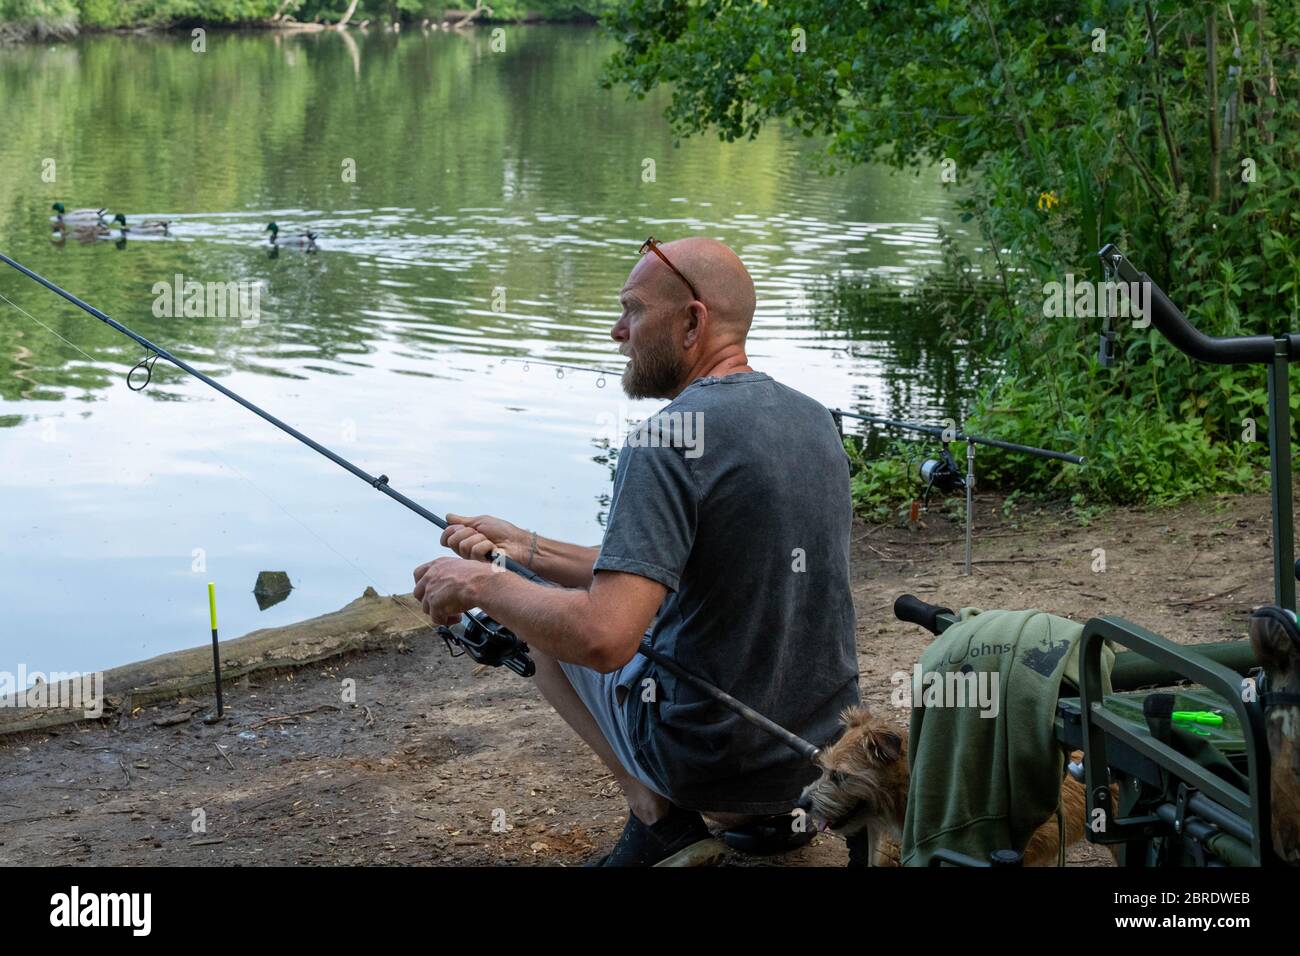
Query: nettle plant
x=1169 y=129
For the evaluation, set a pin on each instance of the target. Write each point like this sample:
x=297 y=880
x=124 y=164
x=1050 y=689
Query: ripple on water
x=487 y=220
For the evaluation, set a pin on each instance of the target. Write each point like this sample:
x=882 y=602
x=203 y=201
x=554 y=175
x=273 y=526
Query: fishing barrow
x=1200 y=740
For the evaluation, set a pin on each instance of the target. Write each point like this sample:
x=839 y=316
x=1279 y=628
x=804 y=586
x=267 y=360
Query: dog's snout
x=805 y=802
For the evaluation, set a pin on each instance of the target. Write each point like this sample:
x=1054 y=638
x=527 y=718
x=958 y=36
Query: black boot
x=660 y=843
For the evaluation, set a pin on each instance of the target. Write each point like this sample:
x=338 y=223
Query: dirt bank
x=433 y=750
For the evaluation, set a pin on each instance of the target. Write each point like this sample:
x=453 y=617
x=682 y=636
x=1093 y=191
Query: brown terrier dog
x=1276 y=641
x=863 y=791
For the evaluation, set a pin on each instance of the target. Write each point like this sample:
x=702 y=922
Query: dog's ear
x=855 y=716
x=885 y=746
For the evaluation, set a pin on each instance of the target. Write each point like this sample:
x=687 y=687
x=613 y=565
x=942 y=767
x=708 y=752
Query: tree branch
x=352 y=7
x=1160 y=99
x=1212 y=95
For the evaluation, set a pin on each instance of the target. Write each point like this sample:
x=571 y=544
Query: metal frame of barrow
x=1172 y=810
x=1200 y=817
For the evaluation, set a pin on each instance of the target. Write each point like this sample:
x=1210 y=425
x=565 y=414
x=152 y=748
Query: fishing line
x=365 y=575
x=484 y=639
x=47 y=328
x=379 y=483
x=369 y=578
x=946 y=435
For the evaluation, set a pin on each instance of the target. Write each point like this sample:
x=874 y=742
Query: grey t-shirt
x=736 y=498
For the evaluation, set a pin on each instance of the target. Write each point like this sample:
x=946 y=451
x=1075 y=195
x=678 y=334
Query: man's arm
x=568 y=565
x=599 y=627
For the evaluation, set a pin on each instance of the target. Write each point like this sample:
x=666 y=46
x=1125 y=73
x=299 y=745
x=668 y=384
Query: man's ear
x=697 y=317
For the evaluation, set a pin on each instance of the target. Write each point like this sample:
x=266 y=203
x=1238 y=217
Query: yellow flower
x=1047 y=200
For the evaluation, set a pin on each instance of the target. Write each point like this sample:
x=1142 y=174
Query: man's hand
x=598 y=627
x=476 y=538
x=568 y=565
x=447 y=586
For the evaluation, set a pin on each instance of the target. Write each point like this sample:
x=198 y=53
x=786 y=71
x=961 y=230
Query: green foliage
x=109 y=14
x=884 y=485
x=1083 y=512
x=19 y=10
x=20 y=18
x=545 y=9
x=1009 y=503
x=1063 y=139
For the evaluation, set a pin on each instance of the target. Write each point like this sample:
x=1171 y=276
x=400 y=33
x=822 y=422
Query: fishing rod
x=943 y=472
x=839 y=413
x=561 y=368
x=950 y=436
x=485 y=640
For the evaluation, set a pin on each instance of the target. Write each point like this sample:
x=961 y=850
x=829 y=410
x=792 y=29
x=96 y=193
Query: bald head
x=717 y=273
x=671 y=336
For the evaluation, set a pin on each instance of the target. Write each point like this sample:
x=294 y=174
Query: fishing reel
x=941 y=473
x=488 y=642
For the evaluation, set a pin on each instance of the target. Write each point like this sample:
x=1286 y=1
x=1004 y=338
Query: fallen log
x=369 y=623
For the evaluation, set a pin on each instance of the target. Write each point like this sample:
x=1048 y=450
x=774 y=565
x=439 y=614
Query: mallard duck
x=85 y=231
x=77 y=216
x=150 y=227
x=298 y=240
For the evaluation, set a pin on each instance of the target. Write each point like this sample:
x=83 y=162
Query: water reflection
x=496 y=208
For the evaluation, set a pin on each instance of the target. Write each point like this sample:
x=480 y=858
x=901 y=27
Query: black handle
x=912 y=609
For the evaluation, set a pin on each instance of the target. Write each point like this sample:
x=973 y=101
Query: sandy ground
x=434 y=751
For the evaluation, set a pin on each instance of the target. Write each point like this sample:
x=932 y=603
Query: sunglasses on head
x=653 y=245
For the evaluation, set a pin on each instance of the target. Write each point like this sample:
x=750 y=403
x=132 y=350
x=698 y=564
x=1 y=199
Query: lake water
x=497 y=206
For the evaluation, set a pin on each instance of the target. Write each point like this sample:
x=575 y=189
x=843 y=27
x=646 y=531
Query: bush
x=20 y=19
x=883 y=485
x=1066 y=128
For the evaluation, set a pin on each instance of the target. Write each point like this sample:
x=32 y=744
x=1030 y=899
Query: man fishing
x=728 y=538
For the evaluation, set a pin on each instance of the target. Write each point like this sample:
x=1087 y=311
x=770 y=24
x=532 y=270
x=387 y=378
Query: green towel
x=967 y=768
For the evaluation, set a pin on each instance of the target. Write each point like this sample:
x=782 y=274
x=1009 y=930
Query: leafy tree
x=22 y=18
x=1168 y=128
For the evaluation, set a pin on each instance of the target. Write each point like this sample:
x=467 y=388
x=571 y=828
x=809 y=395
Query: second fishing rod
x=487 y=641
x=942 y=473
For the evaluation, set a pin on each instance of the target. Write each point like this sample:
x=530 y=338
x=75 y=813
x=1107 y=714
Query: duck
x=300 y=240
x=150 y=227
x=84 y=231
x=77 y=216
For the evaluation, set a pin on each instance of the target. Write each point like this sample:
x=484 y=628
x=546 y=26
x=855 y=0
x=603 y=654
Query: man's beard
x=654 y=371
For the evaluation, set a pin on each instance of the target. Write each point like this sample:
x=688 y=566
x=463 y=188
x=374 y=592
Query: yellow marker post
x=216 y=653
